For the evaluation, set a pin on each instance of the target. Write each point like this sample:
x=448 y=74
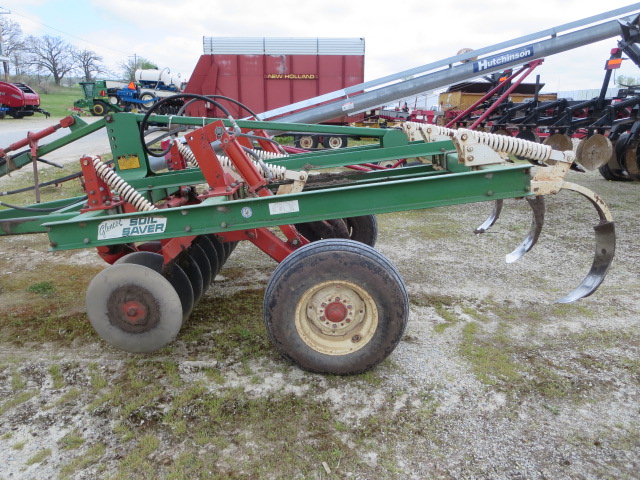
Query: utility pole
x=3 y=59
x=135 y=64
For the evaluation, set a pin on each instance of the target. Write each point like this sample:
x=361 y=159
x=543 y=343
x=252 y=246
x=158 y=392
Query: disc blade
x=133 y=308
x=593 y=152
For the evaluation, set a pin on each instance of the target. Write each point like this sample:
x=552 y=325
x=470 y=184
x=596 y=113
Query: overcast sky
x=399 y=35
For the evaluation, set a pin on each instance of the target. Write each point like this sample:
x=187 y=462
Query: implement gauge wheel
x=134 y=308
x=336 y=306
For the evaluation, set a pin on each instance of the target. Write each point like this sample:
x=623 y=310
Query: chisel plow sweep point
x=478 y=149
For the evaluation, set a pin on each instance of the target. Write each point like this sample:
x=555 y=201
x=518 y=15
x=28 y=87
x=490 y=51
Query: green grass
x=16 y=400
x=39 y=456
x=56 y=375
x=71 y=441
x=490 y=361
x=59 y=102
x=42 y=288
x=82 y=461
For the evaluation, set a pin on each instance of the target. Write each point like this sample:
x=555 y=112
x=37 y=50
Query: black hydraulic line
x=162 y=137
x=220 y=97
x=31 y=209
x=46 y=184
x=168 y=99
x=256 y=157
x=48 y=162
x=3 y=160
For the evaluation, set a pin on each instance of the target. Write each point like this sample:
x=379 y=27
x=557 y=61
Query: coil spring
x=277 y=171
x=511 y=145
x=187 y=153
x=500 y=143
x=126 y=191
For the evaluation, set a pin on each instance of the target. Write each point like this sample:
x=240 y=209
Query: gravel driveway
x=492 y=379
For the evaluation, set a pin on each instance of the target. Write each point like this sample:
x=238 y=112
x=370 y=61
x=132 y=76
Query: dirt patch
x=491 y=380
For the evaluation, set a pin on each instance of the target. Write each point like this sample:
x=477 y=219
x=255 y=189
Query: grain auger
x=479 y=148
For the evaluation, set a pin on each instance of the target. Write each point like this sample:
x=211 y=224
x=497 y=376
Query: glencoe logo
x=501 y=59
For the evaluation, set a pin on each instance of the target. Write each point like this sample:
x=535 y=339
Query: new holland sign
x=291 y=76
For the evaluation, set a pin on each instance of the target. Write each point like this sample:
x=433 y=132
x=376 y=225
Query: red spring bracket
x=98 y=192
x=202 y=143
x=175 y=160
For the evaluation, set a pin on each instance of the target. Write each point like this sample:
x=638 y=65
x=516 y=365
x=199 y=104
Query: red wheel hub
x=134 y=312
x=336 y=312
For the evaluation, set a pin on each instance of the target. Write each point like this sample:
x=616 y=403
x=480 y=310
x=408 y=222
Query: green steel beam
x=30 y=219
x=219 y=216
x=353 y=156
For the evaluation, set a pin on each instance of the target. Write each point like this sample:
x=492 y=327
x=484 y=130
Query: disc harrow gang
x=167 y=221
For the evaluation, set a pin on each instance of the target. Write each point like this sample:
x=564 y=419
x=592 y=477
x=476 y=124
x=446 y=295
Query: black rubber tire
x=612 y=174
x=613 y=170
x=632 y=160
x=363 y=229
x=334 y=142
x=305 y=141
x=145 y=97
x=121 y=288
x=314 y=231
x=99 y=108
x=346 y=266
x=176 y=276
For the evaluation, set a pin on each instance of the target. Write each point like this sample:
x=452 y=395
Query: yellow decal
x=127 y=162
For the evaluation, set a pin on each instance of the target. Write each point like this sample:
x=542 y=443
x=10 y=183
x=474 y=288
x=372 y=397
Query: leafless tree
x=50 y=54
x=12 y=44
x=88 y=62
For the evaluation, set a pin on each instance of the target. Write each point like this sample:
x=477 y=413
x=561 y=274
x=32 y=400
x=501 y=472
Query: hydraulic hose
x=157 y=105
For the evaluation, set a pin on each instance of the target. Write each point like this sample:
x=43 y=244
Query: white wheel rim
x=335 y=142
x=336 y=318
x=306 y=142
